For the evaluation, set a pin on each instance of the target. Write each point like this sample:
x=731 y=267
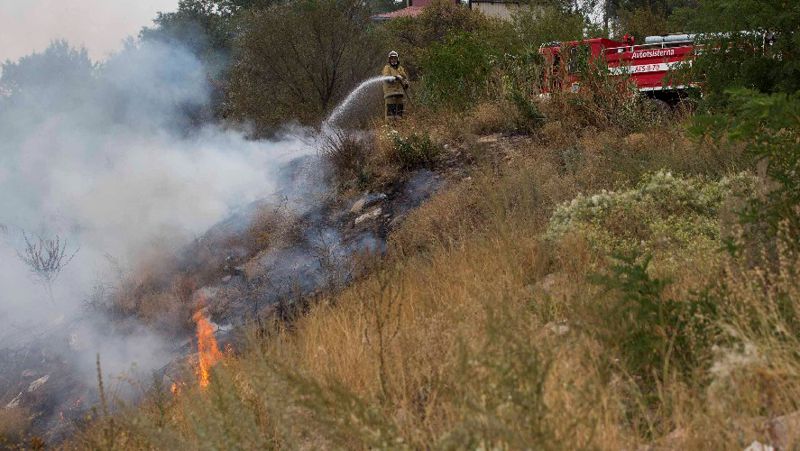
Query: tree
x=297 y=60
x=32 y=75
x=207 y=29
x=745 y=56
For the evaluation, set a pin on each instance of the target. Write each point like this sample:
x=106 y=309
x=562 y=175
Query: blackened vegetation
x=263 y=266
x=46 y=258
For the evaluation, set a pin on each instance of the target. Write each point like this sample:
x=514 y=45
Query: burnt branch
x=46 y=258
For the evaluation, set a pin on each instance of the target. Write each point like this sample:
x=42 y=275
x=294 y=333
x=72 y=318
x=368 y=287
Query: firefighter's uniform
x=394 y=91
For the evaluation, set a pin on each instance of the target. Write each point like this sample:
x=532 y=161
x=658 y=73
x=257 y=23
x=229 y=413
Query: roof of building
x=411 y=11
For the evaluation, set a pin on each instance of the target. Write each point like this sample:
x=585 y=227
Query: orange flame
x=208 y=353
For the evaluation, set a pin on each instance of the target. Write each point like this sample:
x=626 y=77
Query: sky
x=99 y=25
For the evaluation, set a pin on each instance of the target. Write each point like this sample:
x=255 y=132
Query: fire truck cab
x=646 y=65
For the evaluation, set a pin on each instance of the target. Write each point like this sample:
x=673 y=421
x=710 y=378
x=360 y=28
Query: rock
x=366 y=201
x=358 y=206
x=372 y=214
x=784 y=431
x=758 y=446
x=557 y=328
x=489 y=139
x=38 y=383
x=14 y=402
x=29 y=373
x=548 y=282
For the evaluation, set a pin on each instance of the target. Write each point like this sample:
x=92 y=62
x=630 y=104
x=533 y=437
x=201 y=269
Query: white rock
x=38 y=383
x=758 y=446
x=784 y=430
x=558 y=329
x=14 y=402
x=358 y=206
x=372 y=214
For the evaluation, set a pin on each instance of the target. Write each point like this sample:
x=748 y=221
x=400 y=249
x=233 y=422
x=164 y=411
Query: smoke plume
x=111 y=158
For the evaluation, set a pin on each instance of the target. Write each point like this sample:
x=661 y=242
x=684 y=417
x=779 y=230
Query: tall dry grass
x=476 y=330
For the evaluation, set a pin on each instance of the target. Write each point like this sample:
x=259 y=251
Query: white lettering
x=653 y=53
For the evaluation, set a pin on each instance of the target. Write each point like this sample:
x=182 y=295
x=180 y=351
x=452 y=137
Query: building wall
x=496 y=9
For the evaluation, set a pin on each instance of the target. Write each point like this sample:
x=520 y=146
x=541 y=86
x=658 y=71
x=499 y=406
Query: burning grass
x=208 y=353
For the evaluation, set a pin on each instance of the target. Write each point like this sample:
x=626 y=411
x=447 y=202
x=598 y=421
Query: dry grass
x=13 y=424
x=493 y=117
x=476 y=331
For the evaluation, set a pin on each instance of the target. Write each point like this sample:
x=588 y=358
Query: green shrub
x=414 y=150
x=455 y=71
x=349 y=157
x=411 y=36
x=656 y=336
x=539 y=25
x=769 y=125
x=747 y=60
x=662 y=211
x=530 y=118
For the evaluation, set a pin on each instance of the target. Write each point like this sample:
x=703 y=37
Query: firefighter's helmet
x=393 y=54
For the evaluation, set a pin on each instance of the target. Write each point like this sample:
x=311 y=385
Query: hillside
x=568 y=288
x=517 y=263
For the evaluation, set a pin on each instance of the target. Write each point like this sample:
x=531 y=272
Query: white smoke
x=108 y=158
x=30 y=25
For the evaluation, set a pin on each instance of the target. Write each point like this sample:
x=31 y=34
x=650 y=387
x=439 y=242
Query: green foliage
x=203 y=26
x=414 y=150
x=297 y=60
x=769 y=125
x=411 y=36
x=655 y=336
x=643 y=21
x=661 y=212
x=537 y=26
x=530 y=117
x=742 y=59
x=602 y=100
x=456 y=71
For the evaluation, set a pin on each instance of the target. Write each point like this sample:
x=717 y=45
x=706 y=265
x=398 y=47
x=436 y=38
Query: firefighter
x=394 y=90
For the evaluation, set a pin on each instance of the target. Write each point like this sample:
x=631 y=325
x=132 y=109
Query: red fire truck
x=646 y=65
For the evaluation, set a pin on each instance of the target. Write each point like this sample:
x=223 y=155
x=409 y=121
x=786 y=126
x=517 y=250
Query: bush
x=297 y=60
x=413 y=151
x=769 y=125
x=603 y=100
x=656 y=336
x=747 y=60
x=456 y=71
x=411 y=36
x=663 y=211
x=349 y=157
x=539 y=25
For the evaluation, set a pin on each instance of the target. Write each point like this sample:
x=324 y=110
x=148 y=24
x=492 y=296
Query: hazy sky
x=99 y=25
